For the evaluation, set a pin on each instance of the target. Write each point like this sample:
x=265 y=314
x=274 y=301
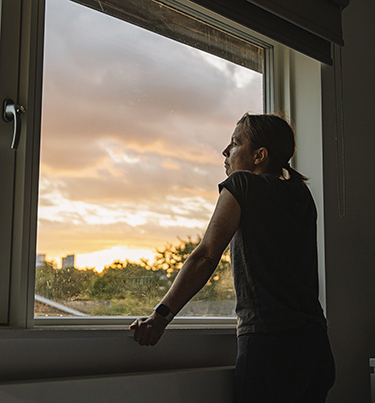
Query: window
x=104 y=346
x=133 y=125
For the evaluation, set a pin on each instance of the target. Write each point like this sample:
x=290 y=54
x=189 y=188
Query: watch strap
x=164 y=311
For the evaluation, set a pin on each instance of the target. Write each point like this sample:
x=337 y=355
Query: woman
x=267 y=213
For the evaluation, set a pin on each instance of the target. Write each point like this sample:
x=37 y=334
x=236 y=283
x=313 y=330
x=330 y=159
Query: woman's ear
x=261 y=155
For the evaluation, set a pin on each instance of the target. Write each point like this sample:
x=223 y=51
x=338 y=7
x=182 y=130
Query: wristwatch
x=164 y=311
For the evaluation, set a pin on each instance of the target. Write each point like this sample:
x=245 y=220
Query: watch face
x=162 y=310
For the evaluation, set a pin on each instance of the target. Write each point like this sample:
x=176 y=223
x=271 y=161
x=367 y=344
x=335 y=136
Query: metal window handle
x=13 y=112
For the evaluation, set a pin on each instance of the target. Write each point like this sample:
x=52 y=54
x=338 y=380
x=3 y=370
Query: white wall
x=305 y=94
x=350 y=239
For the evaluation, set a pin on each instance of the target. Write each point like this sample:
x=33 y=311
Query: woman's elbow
x=205 y=258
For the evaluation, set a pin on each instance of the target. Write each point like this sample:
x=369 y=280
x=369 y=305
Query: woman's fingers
x=148 y=330
x=134 y=325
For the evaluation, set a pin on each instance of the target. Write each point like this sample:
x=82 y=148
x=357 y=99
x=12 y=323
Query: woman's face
x=238 y=154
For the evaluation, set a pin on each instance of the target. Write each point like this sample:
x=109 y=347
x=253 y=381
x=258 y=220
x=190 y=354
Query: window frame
x=53 y=349
x=276 y=96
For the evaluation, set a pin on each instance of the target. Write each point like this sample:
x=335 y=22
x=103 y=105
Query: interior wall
x=37 y=355
x=200 y=386
x=305 y=94
x=350 y=231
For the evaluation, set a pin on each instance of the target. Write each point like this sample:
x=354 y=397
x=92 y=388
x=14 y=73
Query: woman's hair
x=276 y=135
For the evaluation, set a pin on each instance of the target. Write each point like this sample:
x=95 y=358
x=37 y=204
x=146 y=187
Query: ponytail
x=293 y=174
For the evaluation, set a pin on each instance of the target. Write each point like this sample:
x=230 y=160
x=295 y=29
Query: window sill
x=66 y=352
x=120 y=322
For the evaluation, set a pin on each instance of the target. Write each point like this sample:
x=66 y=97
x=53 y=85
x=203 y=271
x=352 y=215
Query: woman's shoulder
x=248 y=180
x=238 y=178
x=240 y=184
x=243 y=175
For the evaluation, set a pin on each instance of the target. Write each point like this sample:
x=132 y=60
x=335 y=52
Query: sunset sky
x=132 y=133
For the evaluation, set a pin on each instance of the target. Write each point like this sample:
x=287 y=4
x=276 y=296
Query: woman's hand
x=148 y=330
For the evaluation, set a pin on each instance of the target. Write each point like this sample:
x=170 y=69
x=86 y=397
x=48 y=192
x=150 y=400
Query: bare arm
x=196 y=270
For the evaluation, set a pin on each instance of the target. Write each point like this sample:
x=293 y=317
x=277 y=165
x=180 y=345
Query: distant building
x=40 y=259
x=68 y=261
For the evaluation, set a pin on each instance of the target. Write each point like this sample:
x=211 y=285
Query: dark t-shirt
x=274 y=253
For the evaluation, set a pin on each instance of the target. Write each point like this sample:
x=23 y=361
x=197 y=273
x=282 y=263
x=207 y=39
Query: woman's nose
x=226 y=151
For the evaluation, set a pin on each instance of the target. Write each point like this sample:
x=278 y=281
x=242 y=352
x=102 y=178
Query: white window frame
x=276 y=95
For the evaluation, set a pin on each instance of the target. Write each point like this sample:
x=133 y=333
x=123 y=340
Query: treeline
x=130 y=288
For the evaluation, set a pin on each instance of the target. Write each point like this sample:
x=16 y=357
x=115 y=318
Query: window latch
x=13 y=112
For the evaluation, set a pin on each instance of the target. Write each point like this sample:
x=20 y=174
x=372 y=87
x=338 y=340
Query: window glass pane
x=132 y=132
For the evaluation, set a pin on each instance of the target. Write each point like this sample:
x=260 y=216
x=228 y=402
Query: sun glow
x=102 y=258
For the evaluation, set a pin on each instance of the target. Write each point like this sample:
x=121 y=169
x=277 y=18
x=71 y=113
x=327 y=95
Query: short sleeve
x=240 y=185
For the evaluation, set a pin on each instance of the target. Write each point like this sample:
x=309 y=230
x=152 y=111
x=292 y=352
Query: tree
x=172 y=257
x=121 y=278
x=62 y=284
x=170 y=260
x=130 y=288
x=44 y=279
